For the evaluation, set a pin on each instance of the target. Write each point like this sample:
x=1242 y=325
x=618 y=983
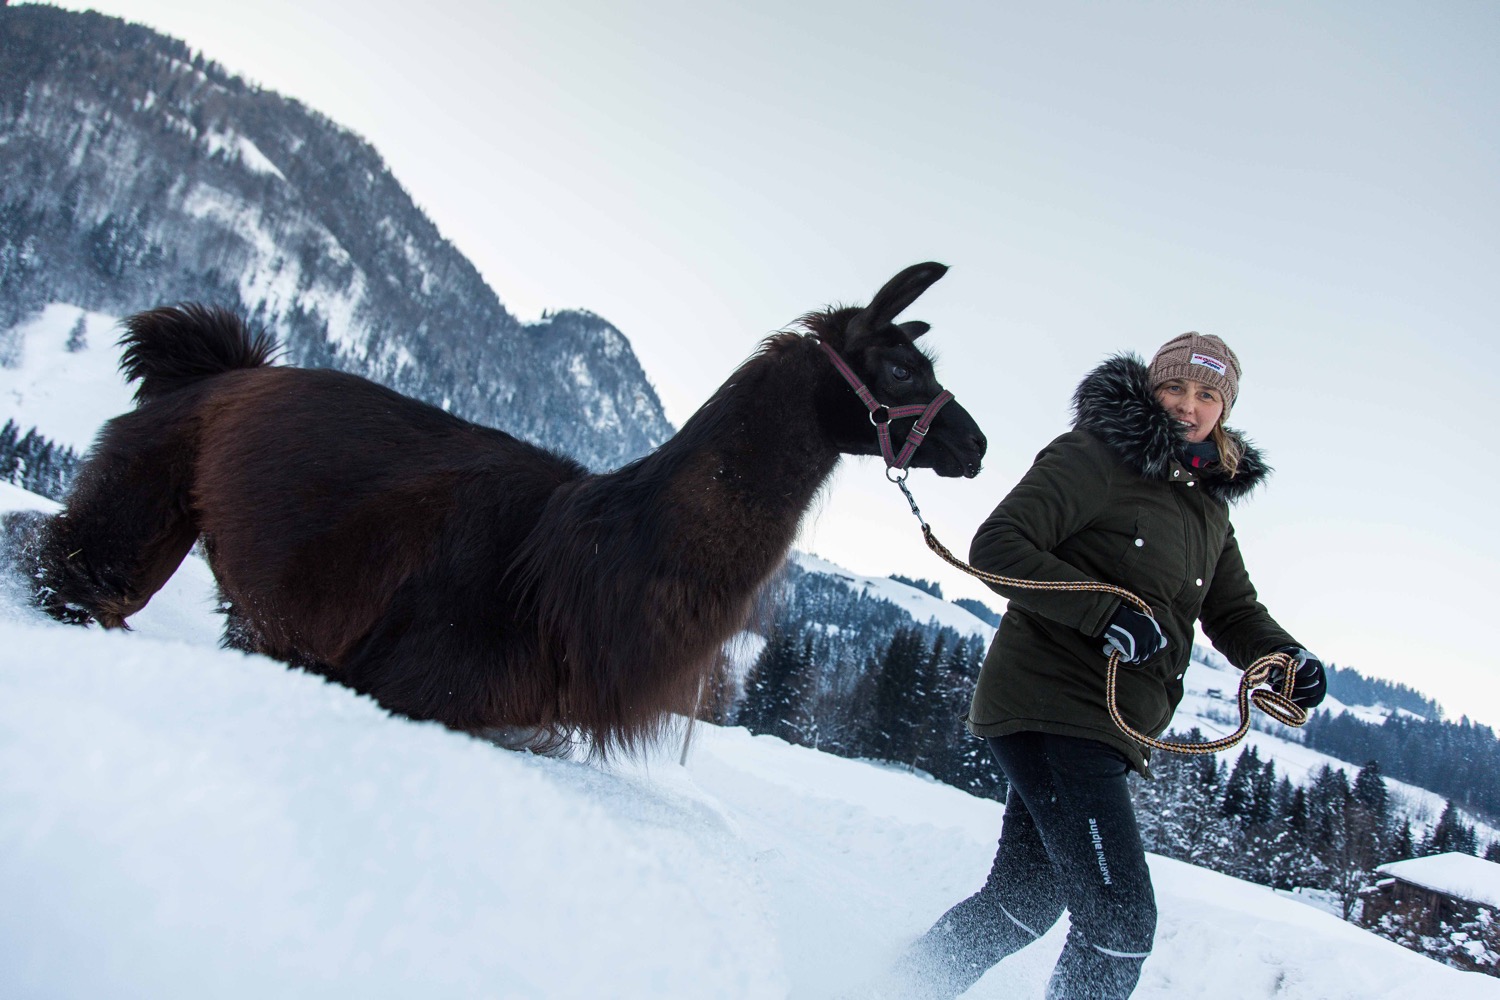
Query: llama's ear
x=898 y=293
x=913 y=328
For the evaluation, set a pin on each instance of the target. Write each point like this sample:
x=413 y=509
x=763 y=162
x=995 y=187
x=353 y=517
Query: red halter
x=924 y=414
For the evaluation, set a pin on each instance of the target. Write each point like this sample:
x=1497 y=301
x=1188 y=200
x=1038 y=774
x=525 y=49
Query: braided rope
x=1277 y=704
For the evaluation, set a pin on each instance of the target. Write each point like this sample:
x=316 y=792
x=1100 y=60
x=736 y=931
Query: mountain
x=133 y=172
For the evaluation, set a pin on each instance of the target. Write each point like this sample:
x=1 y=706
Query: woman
x=1136 y=495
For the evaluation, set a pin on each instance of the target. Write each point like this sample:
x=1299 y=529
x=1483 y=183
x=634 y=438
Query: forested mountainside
x=135 y=172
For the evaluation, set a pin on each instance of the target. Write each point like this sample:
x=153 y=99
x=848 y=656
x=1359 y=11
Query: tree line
x=1353 y=688
x=904 y=702
x=1458 y=760
x=1248 y=821
x=34 y=463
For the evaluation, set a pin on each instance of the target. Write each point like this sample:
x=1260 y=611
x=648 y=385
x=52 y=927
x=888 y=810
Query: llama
x=451 y=571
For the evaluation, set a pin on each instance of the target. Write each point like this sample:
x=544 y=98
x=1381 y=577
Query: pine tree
x=1197 y=836
x=1336 y=837
x=770 y=694
x=1263 y=838
x=1263 y=790
x=951 y=753
x=78 y=336
x=1295 y=863
x=1450 y=834
x=892 y=730
x=1370 y=790
x=1369 y=816
x=1286 y=861
x=34 y=463
x=1237 y=790
x=10 y=459
x=1401 y=847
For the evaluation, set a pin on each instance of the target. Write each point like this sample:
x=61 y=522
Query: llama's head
x=884 y=356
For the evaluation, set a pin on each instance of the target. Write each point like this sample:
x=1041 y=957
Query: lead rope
x=1277 y=704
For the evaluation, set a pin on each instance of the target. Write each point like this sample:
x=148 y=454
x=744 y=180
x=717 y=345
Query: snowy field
x=181 y=821
x=67 y=394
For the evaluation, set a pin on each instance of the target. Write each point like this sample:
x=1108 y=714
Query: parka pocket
x=1135 y=545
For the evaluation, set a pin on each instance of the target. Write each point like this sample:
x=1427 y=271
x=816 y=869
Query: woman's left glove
x=1309 y=685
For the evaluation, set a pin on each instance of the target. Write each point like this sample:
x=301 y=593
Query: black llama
x=450 y=570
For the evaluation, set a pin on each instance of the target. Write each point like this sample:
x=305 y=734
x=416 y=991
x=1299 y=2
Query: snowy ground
x=180 y=821
x=66 y=394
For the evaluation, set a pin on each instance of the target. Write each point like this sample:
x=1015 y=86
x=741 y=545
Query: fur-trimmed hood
x=1115 y=403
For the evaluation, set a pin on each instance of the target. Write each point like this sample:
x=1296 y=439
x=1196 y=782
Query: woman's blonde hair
x=1229 y=448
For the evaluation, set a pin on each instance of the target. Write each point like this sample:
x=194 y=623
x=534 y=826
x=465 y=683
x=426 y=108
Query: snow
x=1452 y=874
x=921 y=605
x=272 y=278
x=238 y=147
x=66 y=395
x=178 y=820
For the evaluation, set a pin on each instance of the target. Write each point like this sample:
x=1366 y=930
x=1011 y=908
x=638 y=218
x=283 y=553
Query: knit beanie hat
x=1201 y=358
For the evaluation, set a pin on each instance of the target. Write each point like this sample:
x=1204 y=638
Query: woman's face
x=1196 y=407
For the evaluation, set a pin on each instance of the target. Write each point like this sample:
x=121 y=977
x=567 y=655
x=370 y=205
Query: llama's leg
x=458 y=665
x=239 y=631
x=23 y=532
x=125 y=530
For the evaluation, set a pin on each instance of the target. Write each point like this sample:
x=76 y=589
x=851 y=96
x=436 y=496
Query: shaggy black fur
x=1115 y=403
x=452 y=571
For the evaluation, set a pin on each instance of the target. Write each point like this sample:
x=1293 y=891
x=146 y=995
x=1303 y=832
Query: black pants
x=1070 y=842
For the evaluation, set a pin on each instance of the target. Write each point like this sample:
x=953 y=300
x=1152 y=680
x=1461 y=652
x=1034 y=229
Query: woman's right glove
x=1136 y=637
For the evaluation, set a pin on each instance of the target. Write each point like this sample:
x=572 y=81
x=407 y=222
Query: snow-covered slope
x=922 y=606
x=65 y=394
x=177 y=820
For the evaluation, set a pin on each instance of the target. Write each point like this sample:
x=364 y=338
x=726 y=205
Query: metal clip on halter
x=911 y=501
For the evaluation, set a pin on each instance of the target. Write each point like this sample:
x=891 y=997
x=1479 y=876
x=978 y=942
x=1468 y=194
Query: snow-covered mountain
x=178 y=820
x=923 y=608
x=134 y=173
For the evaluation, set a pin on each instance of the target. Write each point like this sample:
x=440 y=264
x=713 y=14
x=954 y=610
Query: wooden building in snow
x=1425 y=894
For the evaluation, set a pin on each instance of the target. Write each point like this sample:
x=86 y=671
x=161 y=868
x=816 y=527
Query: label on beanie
x=1213 y=364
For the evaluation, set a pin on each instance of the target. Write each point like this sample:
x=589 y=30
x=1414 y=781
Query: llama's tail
x=172 y=347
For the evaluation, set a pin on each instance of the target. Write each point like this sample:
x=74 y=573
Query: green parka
x=1111 y=502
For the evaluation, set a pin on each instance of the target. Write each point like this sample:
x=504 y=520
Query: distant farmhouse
x=1445 y=905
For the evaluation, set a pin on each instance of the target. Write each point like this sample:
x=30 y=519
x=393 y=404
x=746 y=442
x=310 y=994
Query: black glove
x=1136 y=637
x=1309 y=685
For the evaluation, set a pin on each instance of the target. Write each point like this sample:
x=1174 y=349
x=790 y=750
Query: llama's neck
x=737 y=479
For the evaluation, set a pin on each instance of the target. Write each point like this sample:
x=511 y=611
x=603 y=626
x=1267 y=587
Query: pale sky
x=1314 y=182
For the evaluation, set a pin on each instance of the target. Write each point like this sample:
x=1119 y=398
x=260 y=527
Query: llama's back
x=323 y=494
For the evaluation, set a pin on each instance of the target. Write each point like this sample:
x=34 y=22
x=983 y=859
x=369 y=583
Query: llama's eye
x=900 y=373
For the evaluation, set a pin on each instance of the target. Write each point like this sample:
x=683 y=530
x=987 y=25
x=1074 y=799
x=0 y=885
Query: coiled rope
x=1277 y=704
